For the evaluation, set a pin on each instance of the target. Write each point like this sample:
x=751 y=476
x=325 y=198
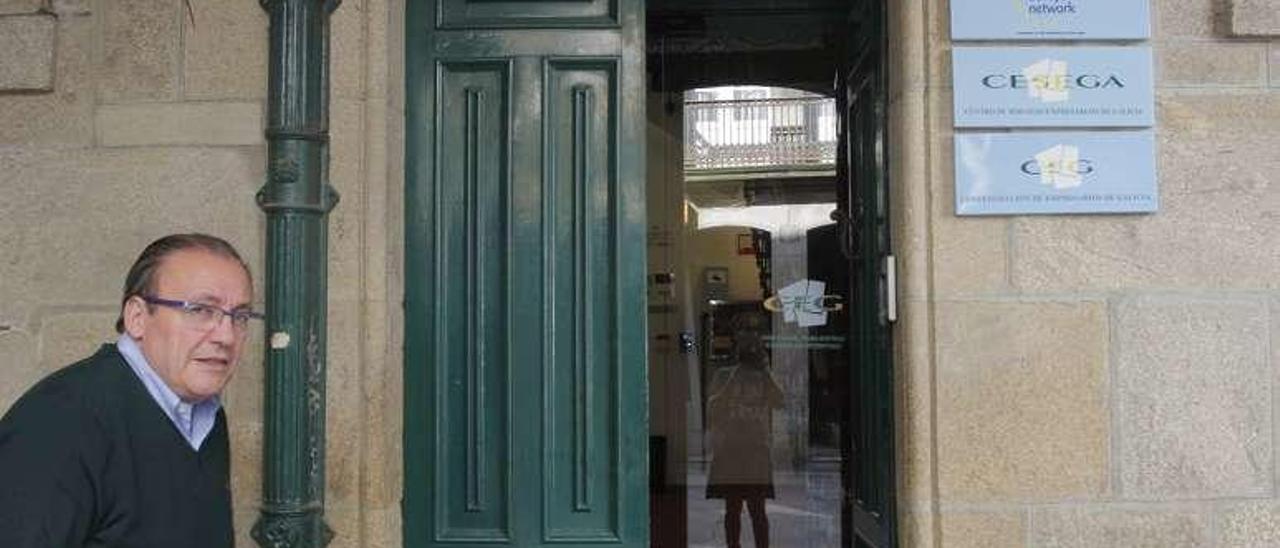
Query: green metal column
x=297 y=199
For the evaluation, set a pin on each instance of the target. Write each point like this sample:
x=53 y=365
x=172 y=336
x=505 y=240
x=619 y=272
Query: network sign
x=1050 y=19
x=1053 y=87
x=1062 y=172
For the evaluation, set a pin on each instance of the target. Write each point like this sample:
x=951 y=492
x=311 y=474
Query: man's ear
x=135 y=317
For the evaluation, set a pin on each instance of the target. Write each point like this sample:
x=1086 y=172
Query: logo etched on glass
x=801 y=303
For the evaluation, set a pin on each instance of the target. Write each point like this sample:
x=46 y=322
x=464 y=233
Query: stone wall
x=1063 y=381
x=123 y=120
x=1096 y=381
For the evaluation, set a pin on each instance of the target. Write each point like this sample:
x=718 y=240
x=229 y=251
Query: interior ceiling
x=765 y=191
x=704 y=43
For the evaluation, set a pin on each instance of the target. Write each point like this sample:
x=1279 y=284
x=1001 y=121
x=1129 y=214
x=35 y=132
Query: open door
x=525 y=398
x=870 y=482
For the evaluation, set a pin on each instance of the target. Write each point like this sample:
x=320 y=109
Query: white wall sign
x=1059 y=172
x=1053 y=87
x=1050 y=19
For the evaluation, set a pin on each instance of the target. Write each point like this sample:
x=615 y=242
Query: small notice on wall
x=1063 y=172
x=1050 y=19
x=1053 y=87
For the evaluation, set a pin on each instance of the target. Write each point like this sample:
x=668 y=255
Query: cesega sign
x=1050 y=19
x=1028 y=173
x=1053 y=87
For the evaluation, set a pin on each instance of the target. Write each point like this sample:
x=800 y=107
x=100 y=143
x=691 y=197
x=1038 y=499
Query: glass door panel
x=749 y=316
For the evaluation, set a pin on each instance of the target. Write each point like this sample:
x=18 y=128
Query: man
x=129 y=446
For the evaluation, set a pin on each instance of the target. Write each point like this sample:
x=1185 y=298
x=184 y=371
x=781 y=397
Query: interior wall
x=664 y=193
x=680 y=249
x=717 y=248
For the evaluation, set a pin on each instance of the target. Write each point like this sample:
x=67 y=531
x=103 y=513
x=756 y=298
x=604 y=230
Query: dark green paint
x=297 y=199
x=525 y=399
x=870 y=484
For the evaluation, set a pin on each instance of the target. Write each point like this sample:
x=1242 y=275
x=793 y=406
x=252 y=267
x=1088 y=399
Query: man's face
x=194 y=361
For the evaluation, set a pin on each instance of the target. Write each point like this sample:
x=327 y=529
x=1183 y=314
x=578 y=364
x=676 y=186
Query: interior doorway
x=769 y=276
x=749 y=394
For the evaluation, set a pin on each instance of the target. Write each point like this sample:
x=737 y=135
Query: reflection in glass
x=773 y=379
x=742 y=398
x=756 y=412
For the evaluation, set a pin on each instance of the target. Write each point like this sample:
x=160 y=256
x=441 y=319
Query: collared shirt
x=194 y=421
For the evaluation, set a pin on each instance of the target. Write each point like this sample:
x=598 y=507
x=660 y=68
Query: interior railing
x=760 y=134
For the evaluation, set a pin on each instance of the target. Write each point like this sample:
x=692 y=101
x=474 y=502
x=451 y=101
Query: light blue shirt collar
x=193 y=421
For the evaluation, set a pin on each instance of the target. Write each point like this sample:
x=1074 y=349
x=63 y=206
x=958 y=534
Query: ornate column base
x=291 y=529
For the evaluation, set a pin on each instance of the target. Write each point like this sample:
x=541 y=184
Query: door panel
x=528 y=13
x=473 y=498
x=525 y=397
x=581 y=433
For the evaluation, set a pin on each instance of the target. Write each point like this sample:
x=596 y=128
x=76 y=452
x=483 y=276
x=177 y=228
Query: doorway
x=770 y=276
x=527 y=396
x=748 y=359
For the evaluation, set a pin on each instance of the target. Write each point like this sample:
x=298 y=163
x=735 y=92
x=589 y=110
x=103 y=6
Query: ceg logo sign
x=1031 y=172
x=1058 y=167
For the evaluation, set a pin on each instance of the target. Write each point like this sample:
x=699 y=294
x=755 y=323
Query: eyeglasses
x=206 y=316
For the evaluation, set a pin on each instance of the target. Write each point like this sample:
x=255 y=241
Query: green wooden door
x=525 y=395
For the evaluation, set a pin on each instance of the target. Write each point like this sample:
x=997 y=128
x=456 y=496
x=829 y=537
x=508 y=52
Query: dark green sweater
x=87 y=458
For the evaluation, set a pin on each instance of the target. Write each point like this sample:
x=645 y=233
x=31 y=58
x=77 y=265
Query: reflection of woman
x=738 y=413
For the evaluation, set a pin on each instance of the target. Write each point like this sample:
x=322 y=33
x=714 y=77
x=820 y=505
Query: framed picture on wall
x=715 y=282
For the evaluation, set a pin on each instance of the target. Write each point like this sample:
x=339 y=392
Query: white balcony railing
x=760 y=134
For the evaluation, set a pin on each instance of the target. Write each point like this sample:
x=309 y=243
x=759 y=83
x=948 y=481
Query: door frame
x=871 y=484
x=409 y=405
